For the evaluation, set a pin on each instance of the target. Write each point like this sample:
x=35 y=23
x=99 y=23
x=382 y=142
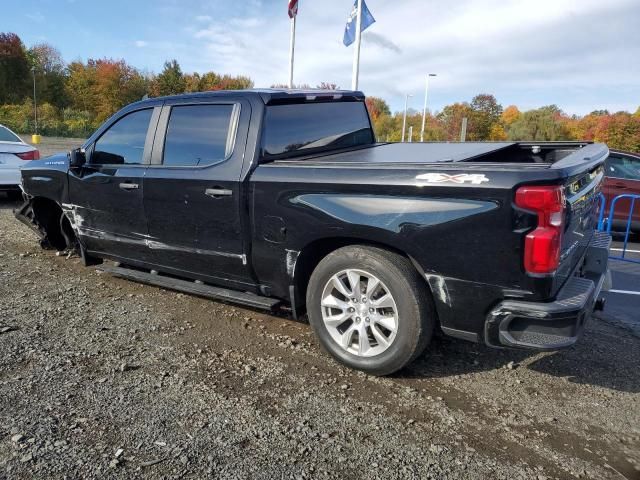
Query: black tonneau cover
x=415 y=152
x=573 y=158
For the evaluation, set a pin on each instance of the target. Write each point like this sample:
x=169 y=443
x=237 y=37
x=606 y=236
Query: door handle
x=129 y=186
x=218 y=192
x=621 y=186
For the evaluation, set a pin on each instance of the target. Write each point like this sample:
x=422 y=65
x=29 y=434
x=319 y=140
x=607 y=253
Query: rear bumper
x=557 y=324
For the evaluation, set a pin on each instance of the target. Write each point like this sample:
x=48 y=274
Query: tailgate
x=582 y=190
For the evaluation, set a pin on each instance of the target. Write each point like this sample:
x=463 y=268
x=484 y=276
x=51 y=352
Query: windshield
x=7 y=136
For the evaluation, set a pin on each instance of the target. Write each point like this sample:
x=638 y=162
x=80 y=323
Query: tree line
x=75 y=98
x=488 y=120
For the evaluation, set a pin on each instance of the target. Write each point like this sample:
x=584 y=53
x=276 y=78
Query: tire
x=379 y=346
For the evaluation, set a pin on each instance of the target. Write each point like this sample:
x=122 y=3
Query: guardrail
x=606 y=223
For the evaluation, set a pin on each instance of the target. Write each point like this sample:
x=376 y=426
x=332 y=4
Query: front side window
x=123 y=142
x=302 y=129
x=198 y=135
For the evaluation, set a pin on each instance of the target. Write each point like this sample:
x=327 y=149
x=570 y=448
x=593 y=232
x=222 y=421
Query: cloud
x=249 y=22
x=579 y=54
x=381 y=41
x=141 y=43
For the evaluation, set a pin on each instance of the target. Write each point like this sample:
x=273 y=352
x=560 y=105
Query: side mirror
x=77 y=158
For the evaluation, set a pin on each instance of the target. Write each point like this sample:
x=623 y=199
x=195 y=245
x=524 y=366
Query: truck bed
x=540 y=153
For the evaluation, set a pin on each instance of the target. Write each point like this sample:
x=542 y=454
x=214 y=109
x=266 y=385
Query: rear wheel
x=370 y=309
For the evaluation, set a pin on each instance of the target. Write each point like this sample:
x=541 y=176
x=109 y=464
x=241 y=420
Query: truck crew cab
x=283 y=198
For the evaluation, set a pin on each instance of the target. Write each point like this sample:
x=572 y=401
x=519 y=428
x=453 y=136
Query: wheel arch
x=50 y=221
x=312 y=253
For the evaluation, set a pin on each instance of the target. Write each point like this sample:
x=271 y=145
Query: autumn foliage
x=487 y=120
x=75 y=98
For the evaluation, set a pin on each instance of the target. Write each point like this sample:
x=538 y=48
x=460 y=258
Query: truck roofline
x=267 y=95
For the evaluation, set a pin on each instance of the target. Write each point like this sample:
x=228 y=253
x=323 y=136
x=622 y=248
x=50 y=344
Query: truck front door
x=106 y=194
x=192 y=191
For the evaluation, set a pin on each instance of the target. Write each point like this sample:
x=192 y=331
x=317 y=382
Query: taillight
x=31 y=155
x=542 y=245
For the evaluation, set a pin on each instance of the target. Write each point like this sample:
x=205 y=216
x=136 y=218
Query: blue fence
x=606 y=223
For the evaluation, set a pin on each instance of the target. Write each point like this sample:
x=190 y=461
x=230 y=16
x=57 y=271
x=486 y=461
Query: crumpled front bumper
x=557 y=324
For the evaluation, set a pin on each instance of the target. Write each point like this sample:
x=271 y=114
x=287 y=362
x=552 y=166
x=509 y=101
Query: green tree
x=486 y=114
x=51 y=74
x=15 y=77
x=170 y=81
x=451 y=120
x=80 y=87
x=543 y=124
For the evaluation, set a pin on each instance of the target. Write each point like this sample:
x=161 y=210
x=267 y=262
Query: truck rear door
x=192 y=193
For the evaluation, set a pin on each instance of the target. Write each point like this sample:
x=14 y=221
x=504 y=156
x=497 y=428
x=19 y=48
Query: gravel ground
x=104 y=378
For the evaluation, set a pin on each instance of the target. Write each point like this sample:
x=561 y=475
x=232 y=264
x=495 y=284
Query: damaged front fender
x=46 y=219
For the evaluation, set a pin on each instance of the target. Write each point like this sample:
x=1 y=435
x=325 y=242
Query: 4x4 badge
x=473 y=178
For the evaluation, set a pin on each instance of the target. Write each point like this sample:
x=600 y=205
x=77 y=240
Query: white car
x=14 y=154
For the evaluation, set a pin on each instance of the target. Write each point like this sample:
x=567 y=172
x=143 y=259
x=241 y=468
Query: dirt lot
x=50 y=145
x=100 y=377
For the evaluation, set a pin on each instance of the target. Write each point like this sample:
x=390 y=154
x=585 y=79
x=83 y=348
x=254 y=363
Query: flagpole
x=356 y=54
x=291 y=50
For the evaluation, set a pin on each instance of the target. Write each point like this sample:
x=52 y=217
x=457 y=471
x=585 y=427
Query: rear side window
x=198 y=135
x=302 y=129
x=123 y=142
x=7 y=136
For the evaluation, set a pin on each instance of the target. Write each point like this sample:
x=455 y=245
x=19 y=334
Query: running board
x=193 y=288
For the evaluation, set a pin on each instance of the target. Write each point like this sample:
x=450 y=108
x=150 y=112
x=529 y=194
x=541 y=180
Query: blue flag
x=350 y=29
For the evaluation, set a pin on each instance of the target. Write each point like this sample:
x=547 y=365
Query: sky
x=581 y=55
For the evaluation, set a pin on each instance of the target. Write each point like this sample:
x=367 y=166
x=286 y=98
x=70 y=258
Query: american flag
x=293 y=8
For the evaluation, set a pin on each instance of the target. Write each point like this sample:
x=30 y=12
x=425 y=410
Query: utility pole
x=424 y=109
x=35 y=102
x=411 y=134
x=404 y=118
x=463 y=130
x=356 y=53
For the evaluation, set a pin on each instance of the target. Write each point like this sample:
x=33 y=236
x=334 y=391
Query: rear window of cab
x=292 y=130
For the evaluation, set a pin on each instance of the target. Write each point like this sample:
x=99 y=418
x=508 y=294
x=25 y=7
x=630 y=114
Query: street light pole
x=404 y=118
x=424 y=109
x=35 y=102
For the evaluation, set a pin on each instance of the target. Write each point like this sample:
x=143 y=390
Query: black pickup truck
x=276 y=198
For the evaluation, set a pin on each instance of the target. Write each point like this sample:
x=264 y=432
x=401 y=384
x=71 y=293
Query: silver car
x=14 y=154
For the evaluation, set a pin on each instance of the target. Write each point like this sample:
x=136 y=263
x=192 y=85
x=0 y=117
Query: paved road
x=625 y=307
